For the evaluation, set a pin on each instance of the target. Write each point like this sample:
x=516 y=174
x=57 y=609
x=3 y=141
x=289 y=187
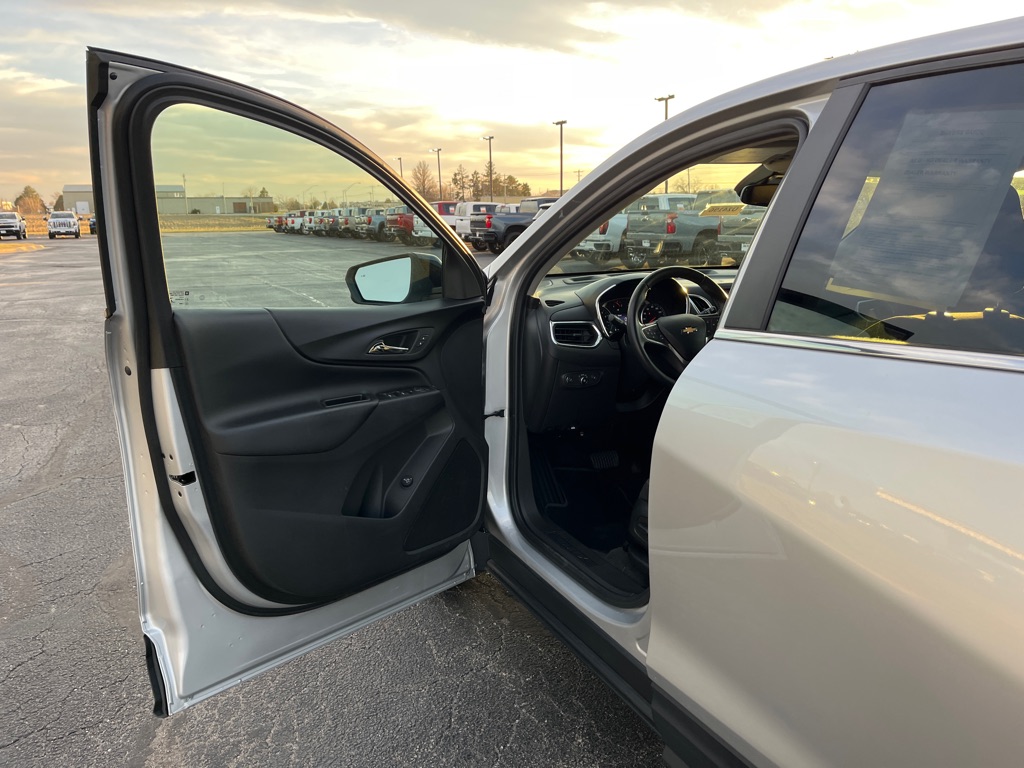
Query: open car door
x=300 y=417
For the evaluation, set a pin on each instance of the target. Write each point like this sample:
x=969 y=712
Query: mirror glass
x=385 y=281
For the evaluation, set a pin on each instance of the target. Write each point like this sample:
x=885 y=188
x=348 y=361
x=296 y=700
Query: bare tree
x=423 y=180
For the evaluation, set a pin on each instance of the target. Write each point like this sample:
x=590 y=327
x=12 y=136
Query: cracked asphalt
x=468 y=678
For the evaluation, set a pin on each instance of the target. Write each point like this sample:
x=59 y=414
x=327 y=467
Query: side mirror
x=395 y=279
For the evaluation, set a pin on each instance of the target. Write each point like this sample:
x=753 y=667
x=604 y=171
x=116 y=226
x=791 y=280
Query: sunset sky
x=408 y=75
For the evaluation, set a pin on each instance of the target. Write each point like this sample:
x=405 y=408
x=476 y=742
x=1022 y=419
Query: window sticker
x=931 y=212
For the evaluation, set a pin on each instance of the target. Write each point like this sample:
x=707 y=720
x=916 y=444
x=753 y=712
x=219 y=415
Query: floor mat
x=594 y=509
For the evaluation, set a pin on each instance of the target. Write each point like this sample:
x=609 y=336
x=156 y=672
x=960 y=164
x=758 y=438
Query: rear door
x=836 y=574
x=301 y=428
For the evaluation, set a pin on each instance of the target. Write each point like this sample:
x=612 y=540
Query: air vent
x=575 y=334
x=553 y=302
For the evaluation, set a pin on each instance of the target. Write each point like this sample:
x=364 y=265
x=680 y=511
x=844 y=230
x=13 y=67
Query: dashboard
x=578 y=371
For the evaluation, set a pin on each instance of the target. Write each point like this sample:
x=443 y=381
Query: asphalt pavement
x=467 y=678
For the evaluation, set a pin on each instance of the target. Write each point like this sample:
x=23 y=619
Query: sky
x=407 y=76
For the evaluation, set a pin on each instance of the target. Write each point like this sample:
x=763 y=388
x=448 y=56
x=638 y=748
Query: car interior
x=596 y=374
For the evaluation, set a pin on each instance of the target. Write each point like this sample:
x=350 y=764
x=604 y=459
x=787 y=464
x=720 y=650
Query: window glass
x=917 y=235
x=253 y=216
x=704 y=215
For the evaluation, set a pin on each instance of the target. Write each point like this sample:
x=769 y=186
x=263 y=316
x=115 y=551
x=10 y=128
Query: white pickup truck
x=463 y=211
x=11 y=223
x=63 y=223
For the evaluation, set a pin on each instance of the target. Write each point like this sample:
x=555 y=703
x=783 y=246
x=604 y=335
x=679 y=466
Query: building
x=78 y=198
x=173 y=199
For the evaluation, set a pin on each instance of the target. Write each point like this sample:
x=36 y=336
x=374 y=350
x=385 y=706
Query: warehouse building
x=173 y=199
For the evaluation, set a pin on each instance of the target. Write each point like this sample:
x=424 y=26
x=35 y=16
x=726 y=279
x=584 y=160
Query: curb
x=6 y=248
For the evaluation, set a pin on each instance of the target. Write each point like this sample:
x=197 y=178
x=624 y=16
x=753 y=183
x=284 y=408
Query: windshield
x=62 y=216
x=8 y=216
x=694 y=218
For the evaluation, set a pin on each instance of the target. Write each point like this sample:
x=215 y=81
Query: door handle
x=380 y=347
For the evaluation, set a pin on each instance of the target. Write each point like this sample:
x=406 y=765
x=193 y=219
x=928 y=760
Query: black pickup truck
x=498 y=230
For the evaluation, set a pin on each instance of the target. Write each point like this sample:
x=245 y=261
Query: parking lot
x=467 y=678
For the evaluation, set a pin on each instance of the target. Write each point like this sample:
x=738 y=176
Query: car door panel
x=298 y=462
x=306 y=460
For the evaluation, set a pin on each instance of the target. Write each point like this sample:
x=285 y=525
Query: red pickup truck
x=401 y=223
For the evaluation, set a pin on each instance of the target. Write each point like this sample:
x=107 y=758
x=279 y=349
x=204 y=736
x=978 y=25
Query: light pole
x=490 y=164
x=440 y=189
x=666 y=100
x=344 y=192
x=561 y=185
x=400 y=172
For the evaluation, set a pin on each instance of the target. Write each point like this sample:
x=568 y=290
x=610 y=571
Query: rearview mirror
x=395 y=279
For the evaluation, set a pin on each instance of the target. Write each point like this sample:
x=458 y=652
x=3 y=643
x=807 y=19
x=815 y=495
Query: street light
x=561 y=186
x=490 y=164
x=344 y=192
x=400 y=172
x=440 y=189
x=666 y=100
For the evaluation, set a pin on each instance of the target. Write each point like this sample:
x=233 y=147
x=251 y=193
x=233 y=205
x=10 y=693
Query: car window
x=217 y=178
x=917 y=234
x=693 y=218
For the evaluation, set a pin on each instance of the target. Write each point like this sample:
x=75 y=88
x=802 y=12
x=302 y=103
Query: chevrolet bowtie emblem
x=689 y=329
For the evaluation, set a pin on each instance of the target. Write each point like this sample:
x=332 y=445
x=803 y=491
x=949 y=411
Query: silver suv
x=775 y=499
x=12 y=224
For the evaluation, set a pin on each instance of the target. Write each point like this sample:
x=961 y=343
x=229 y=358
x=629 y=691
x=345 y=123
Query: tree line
x=467 y=185
x=30 y=202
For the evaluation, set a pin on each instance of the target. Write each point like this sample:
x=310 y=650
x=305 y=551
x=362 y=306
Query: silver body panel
x=837 y=575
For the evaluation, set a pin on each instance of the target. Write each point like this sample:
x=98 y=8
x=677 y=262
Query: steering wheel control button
x=653 y=333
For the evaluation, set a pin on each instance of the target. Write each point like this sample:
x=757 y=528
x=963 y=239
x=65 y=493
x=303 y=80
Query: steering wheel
x=682 y=335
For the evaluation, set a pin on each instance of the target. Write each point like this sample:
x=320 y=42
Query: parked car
x=776 y=506
x=92 y=224
x=372 y=225
x=463 y=212
x=446 y=210
x=498 y=230
x=605 y=242
x=295 y=222
x=403 y=224
x=12 y=224
x=350 y=220
x=63 y=224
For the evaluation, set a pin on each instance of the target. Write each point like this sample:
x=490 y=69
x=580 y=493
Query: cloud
x=27 y=82
x=530 y=23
